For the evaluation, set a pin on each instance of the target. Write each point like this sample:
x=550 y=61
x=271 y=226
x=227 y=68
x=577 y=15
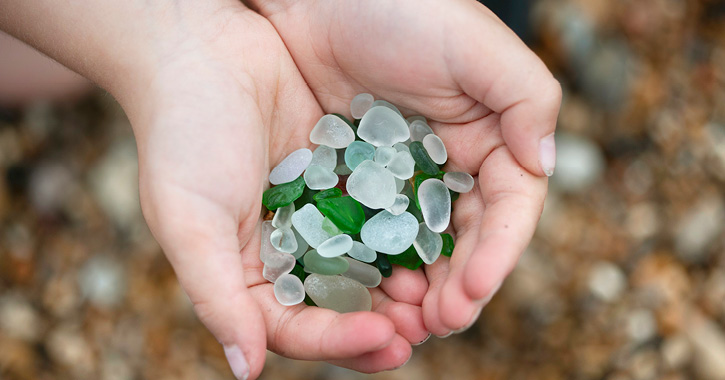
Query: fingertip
x=391 y=357
x=359 y=332
x=409 y=286
x=456 y=308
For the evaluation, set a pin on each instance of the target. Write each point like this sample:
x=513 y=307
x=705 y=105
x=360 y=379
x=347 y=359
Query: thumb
x=201 y=242
x=493 y=66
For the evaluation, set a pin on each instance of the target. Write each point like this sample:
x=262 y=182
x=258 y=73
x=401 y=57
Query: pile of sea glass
x=372 y=195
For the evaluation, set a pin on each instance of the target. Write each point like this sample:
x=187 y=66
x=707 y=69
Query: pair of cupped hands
x=244 y=88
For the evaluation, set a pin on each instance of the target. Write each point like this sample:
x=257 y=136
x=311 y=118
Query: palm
x=402 y=52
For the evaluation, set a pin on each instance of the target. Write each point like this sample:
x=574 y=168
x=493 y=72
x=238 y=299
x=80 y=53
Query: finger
x=202 y=245
x=407 y=318
x=393 y=356
x=436 y=274
x=405 y=285
x=492 y=65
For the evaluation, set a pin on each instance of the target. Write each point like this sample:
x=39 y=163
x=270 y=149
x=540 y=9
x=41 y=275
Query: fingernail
x=239 y=365
x=422 y=341
x=547 y=154
x=445 y=336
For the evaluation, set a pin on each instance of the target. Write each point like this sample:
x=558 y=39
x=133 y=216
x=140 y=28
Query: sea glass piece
x=458 y=181
x=384 y=154
x=411 y=119
x=399 y=185
x=409 y=259
x=381 y=126
x=419 y=129
x=435 y=148
x=289 y=290
x=283 y=216
x=266 y=249
x=362 y=252
x=335 y=246
x=448 y=245
x=314 y=263
x=387 y=104
x=308 y=222
x=360 y=104
x=428 y=244
x=422 y=159
x=402 y=165
x=400 y=205
x=357 y=152
x=329 y=193
x=338 y=293
x=330 y=227
x=325 y=157
x=277 y=264
x=283 y=240
x=419 y=179
x=435 y=204
x=332 y=131
x=306 y=197
x=283 y=194
x=372 y=185
x=383 y=264
x=388 y=233
x=365 y=274
x=401 y=147
x=345 y=212
x=319 y=178
x=302 y=245
x=291 y=167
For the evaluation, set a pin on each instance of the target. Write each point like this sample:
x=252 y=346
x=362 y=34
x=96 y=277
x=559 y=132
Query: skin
x=218 y=95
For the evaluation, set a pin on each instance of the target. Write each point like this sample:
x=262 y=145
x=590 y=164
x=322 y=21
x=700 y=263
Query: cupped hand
x=490 y=99
x=226 y=105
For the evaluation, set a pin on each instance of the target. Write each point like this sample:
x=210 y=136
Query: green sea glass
x=448 y=245
x=409 y=259
x=345 y=212
x=422 y=159
x=329 y=193
x=284 y=194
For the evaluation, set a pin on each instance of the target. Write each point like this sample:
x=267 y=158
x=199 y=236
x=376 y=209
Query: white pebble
x=360 y=104
x=435 y=148
x=289 y=290
x=325 y=157
x=335 y=246
x=283 y=240
x=459 y=182
x=383 y=127
x=333 y=132
x=320 y=178
x=428 y=244
x=362 y=252
x=388 y=233
x=435 y=204
x=372 y=185
x=400 y=205
x=419 y=129
x=283 y=216
x=291 y=167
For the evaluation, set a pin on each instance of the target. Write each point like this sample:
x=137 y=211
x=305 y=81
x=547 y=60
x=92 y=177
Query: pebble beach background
x=625 y=278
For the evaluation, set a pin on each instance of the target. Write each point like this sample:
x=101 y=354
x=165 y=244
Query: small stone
x=308 y=222
x=365 y=274
x=330 y=227
x=277 y=264
x=283 y=194
x=372 y=185
x=435 y=204
x=458 y=181
x=338 y=293
x=345 y=212
x=266 y=249
x=402 y=165
x=302 y=245
x=384 y=155
x=361 y=252
x=428 y=244
x=641 y=325
x=448 y=245
x=411 y=119
x=435 y=148
x=325 y=157
x=381 y=126
x=314 y=263
x=419 y=129
x=283 y=240
x=400 y=205
x=607 y=281
x=291 y=167
x=283 y=216
x=580 y=163
x=289 y=290
x=319 y=178
x=360 y=104
x=333 y=132
x=335 y=246
x=422 y=159
x=388 y=233
x=387 y=104
x=357 y=152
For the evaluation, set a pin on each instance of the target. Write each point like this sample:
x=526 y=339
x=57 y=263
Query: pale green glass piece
x=338 y=293
x=365 y=274
x=357 y=152
x=314 y=263
x=330 y=227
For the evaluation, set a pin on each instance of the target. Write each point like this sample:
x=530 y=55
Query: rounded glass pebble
x=320 y=178
x=402 y=165
x=384 y=154
x=289 y=290
x=419 y=129
x=325 y=157
x=399 y=185
x=459 y=182
x=428 y=244
x=333 y=132
x=401 y=147
x=372 y=185
x=400 y=205
x=360 y=104
x=291 y=167
x=388 y=233
x=283 y=216
x=361 y=252
x=411 y=119
x=365 y=274
x=381 y=126
x=283 y=239
x=308 y=223
x=357 y=152
x=338 y=293
x=277 y=264
x=435 y=148
x=385 y=103
x=314 y=263
x=335 y=246
x=435 y=204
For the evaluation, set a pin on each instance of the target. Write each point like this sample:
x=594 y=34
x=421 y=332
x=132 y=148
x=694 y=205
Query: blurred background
x=625 y=278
